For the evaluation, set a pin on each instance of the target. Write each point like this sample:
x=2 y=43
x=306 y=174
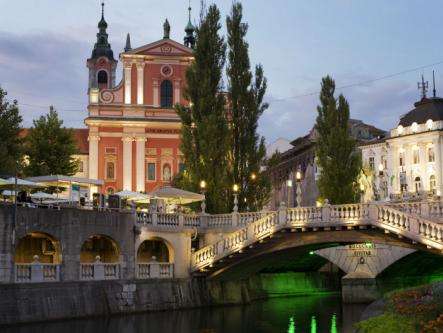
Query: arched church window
x=432 y=183
x=166 y=94
x=102 y=79
x=167 y=172
x=417 y=183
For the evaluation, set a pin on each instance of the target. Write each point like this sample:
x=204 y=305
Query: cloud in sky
x=42 y=60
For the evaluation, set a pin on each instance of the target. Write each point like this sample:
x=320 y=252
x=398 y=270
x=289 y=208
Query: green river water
x=308 y=314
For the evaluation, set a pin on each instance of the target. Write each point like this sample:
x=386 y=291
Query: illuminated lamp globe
x=202 y=184
x=429 y=124
x=235 y=188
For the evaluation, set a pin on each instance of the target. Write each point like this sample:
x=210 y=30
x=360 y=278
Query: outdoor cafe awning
x=178 y=196
x=61 y=179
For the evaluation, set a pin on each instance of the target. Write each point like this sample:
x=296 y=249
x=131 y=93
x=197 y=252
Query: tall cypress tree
x=336 y=150
x=205 y=131
x=246 y=105
x=50 y=147
x=11 y=144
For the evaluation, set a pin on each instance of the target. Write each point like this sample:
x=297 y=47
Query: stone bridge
x=72 y=244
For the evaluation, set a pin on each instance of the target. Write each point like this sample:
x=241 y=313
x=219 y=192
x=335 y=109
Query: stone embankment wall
x=20 y=303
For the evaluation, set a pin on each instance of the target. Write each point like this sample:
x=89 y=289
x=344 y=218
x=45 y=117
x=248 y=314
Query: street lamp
x=253 y=176
x=235 y=188
x=203 y=190
x=298 y=190
x=289 y=187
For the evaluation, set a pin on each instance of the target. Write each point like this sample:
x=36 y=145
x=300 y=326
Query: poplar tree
x=205 y=131
x=245 y=94
x=336 y=150
x=50 y=147
x=11 y=143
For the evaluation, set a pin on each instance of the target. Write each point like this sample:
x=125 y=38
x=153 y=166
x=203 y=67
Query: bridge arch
x=39 y=246
x=297 y=244
x=102 y=246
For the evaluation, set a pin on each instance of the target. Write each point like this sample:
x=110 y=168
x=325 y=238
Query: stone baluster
x=181 y=220
x=282 y=213
x=99 y=269
x=155 y=268
x=36 y=270
x=326 y=212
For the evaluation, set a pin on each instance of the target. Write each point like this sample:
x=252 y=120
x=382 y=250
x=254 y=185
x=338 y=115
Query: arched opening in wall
x=100 y=247
x=154 y=249
x=102 y=79
x=417 y=184
x=38 y=246
x=432 y=184
x=166 y=94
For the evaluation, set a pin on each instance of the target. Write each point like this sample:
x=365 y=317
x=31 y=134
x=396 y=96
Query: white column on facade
x=93 y=156
x=140 y=83
x=127 y=74
x=127 y=163
x=176 y=91
x=155 y=93
x=438 y=165
x=140 y=164
x=93 y=159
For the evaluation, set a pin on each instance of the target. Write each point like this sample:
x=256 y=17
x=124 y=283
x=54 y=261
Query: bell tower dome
x=102 y=64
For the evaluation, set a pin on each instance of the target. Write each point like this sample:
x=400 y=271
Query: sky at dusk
x=44 y=45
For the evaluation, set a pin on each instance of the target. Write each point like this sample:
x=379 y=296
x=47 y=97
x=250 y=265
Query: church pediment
x=166 y=47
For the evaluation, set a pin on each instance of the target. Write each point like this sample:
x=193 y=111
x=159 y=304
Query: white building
x=408 y=162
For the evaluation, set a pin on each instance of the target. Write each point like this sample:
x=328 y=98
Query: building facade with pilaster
x=133 y=128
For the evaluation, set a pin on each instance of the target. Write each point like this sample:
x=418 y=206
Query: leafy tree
x=335 y=148
x=205 y=131
x=50 y=147
x=245 y=94
x=11 y=143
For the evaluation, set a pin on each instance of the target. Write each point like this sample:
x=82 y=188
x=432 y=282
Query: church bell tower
x=102 y=64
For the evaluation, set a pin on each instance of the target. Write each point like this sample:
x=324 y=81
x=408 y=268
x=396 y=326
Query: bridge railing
x=100 y=271
x=414 y=227
x=201 y=221
x=303 y=217
x=37 y=272
x=155 y=270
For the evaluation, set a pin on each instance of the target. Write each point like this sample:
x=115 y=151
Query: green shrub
x=387 y=323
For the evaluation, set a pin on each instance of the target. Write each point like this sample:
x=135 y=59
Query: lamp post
x=381 y=187
x=289 y=188
x=235 y=188
x=298 y=190
x=362 y=192
x=203 y=190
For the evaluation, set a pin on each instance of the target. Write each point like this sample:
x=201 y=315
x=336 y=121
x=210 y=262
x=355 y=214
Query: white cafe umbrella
x=8 y=193
x=130 y=195
x=21 y=183
x=42 y=196
x=174 y=195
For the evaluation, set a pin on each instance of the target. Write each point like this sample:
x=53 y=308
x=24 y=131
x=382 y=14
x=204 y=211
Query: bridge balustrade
x=100 y=271
x=155 y=270
x=37 y=272
x=304 y=214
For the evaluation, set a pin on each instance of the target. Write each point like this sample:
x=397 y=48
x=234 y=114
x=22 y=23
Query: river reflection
x=310 y=314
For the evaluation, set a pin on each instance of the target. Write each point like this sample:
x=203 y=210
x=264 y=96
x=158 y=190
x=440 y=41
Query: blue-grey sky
x=44 y=45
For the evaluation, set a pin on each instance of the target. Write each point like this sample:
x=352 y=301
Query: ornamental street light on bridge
x=298 y=190
x=289 y=187
x=235 y=188
x=203 y=191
